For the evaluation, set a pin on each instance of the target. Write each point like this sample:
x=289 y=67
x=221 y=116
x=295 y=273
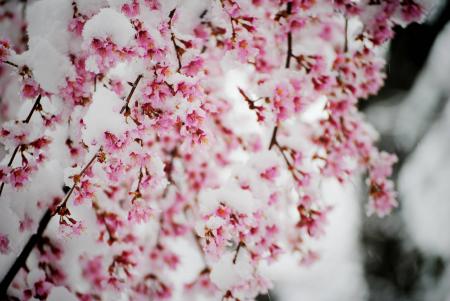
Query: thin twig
x=36 y=105
x=250 y=102
x=289 y=55
x=273 y=140
x=282 y=149
x=11 y=64
x=126 y=107
x=346 y=35
x=289 y=38
x=75 y=183
x=173 y=39
x=240 y=245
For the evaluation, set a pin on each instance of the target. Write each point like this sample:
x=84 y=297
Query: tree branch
x=289 y=38
x=11 y=64
x=241 y=244
x=36 y=105
x=35 y=238
x=23 y=256
x=289 y=55
x=346 y=35
x=178 y=50
x=76 y=180
x=126 y=108
x=273 y=140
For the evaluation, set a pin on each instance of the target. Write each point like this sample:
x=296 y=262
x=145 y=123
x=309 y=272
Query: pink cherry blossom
x=166 y=123
x=4 y=244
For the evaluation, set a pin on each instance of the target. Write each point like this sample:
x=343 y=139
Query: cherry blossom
x=132 y=105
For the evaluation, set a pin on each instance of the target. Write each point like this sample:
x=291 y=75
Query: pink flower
x=84 y=192
x=114 y=143
x=76 y=25
x=201 y=32
x=19 y=176
x=152 y=4
x=4 y=244
x=131 y=10
x=313 y=221
x=93 y=271
x=193 y=67
x=382 y=198
x=4 y=50
x=202 y=284
x=139 y=213
x=270 y=174
x=182 y=127
x=381 y=167
x=309 y=258
x=30 y=89
x=4 y=171
x=244 y=51
x=411 y=11
x=26 y=223
x=74 y=228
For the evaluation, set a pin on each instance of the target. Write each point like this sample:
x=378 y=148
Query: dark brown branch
x=178 y=50
x=102 y=216
x=289 y=51
x=283 y=149
x=250 y=102
x=76 y=180
x=240 y=245
x=289 y=38
x=36 y=106
x=232 y=21
x=126 y=108
x=35 y=238
x=346 y=35
x=11 y=64
x=23 y=256
x=273 y=139
x=203 y=14
x=289 y=55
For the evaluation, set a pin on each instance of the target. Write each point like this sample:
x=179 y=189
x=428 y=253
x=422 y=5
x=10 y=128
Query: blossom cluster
x=131 y=101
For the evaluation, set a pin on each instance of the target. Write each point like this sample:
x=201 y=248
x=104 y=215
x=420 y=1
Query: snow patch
x=109 y=23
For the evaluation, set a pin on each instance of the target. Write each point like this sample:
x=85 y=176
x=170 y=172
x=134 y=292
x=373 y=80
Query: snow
x=103 y=115
x=424 y=186
x=109 y=23
x=420 y=123
x=423 y=180
x=35 y=275
x=44 y=183
x=89 y=7
x=49 y=24
x=51 y=72
x=61 y=293
x=231 y=194
x=91 y=65
x=419 y=106
x=338 y=274
x=226 y=274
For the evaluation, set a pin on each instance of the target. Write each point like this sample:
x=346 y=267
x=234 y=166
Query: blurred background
x=405 y=256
